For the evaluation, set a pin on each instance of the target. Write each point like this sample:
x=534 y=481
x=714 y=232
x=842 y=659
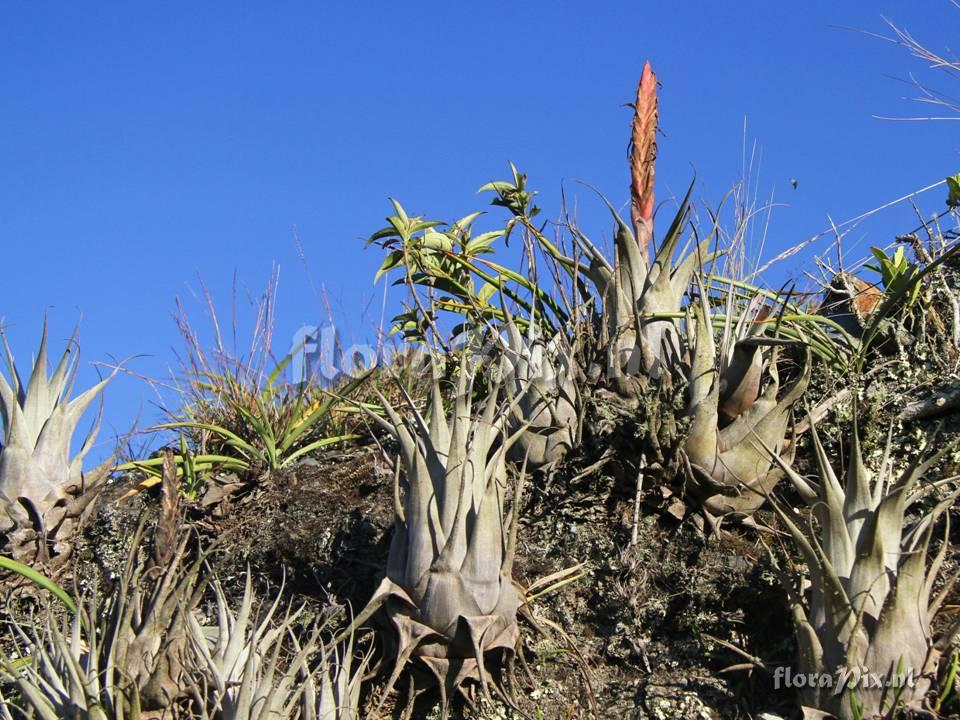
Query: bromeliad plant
x=543 y=375
x=244 y=408
x=448 y=591
x=116 y=658
x=60 y=675
x=650 y=338
x=640 y=296
x=631 y=307
x=44 y=493
x=241 y=668
x=899 y=275
x=735 y=415
x=279 y=422
x=871 y=604
x=144 y=651
x=240 y=412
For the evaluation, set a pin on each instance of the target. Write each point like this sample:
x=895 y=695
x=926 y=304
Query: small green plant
x=279 y=420
x=514 y=196
x=898 y=275
x=452 y=266
x=949 y=698
x=192 y=469
x=239 y=412
x=953 y=191
x=907 y=281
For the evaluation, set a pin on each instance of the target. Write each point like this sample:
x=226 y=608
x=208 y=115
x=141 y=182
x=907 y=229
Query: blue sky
x=143 y=145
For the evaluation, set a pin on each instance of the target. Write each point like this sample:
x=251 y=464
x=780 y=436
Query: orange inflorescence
x=643 y=156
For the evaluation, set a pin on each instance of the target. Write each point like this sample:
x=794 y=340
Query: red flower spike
x=643 y=156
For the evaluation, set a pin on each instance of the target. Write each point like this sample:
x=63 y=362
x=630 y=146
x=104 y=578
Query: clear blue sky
x=142 y=144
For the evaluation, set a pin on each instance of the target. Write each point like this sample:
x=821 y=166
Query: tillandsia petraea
x=448 y=590
x=240 y=668
x=43 y=491
x=732 y=410
x=121 y=656
x=636 y=290
x=867 y=622
x=735 y=417
x=637 y=296
x=544 y=376
x=641 y=298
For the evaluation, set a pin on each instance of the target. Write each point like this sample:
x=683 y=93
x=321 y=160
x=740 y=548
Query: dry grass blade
x=168 y=524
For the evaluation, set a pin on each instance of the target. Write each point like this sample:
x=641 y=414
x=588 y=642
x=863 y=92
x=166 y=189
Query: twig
x=821 y=410
x=939 y=403
x=636 y=500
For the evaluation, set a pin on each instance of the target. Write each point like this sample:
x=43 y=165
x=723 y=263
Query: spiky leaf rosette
x=240 y=669
x=543 y=376
x=871 y=602
x=337 y=696
x=118 y=655
x=67 y=675
x=642 y=302
x=733 y=421
x=641 y=290
x=641 y=298
x=238 y=659
x=448 y=590
x=144 y=624
x=40 y=484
